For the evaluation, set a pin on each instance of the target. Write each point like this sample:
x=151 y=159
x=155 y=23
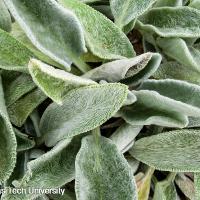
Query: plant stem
x=82 y=66
x=171 y=176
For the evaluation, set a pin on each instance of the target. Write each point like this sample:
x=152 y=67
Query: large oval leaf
x=83 y=109
x=126 y=11
x=102 y=172
x=53 y=82
x=171 y=22
x=8 y=145
x=54 y=30
x=103 y=38
x=172 y=151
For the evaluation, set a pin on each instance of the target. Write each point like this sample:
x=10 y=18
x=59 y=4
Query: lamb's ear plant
x=99 y=99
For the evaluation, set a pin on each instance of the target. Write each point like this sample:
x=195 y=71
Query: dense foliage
x=100 y=98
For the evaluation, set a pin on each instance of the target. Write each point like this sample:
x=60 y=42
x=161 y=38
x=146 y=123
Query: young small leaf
x=171 y=151
x=52 y=29
x=83 y=109
x=102 y=172
x=53 y=82
x=171 y=22
x=109 y=42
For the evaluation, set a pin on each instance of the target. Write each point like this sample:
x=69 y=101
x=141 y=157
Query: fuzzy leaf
x=126 y=11
x=124 y=136
x=51 y=170
x=83 y=109
x=175 y=70
x=171 y=151
x=197 y=185
x=13 y=54
x=102 y=172
x=108 y=42
x=5 y=18
x=195 y=4
x=171 y=22
x=23 y=142
x=171 y=3
x=8 y=145
x=132 y=71
x=52 y=29
x=187 y=56
x=53 y=82
x=23 y=107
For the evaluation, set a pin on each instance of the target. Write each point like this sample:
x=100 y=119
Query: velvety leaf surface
x=133 y=70
x=164 y=102
x=102 y=172
x=23 y=107
x=126 y=11
x=171 y=22
x=109 y=42
x=175 y=70
x=163 y=3
x=197 y=185
x=5 y=18
x=68 y=195
x=13 y=54
x=124 y=136
x=171 y=151
x=51 y=170
x=83 y=109
x=54 y=30
x=8 y=141
x=195 y=4
x=53 y=82
x=188 y=56
x=23 y=141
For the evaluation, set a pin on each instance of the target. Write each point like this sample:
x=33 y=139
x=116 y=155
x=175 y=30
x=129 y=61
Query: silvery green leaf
x=165 y=190
x=43 y=197
x=194 y=122
x=133 y=163
x=197 y=185
x=8 y=145
x=124 y=136
x=23 y=141
x=68 y=195
x=109 y=42
x=187 y=56
x=171 y=151
x=83 y=109
x=164 y=103
x=55 y=83
x=186 y=185
x=171 y=22
x=126 y=11
x=5 y=18
x=102 y=172
x=175 y=70
x=17 y=87
x=133 y=70
x=195 y=4
x=13 y=54
x=19 y=34
x=171 y=3
x=23 y=107
x=145 y=185
x=47 y=25
x=51 y=170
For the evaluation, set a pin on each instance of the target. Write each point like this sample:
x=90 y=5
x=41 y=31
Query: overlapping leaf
x=112 y=44
x=163 y=3
x=102 y=172
x=54 y=30
x=8 y=141
x=13 y=54
x=126 y=11
x=171 y=151
x=53 y=82
x=124 y=136
x=171 y=22
x=83 y=109
x=5 y=18
x=132 y=71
